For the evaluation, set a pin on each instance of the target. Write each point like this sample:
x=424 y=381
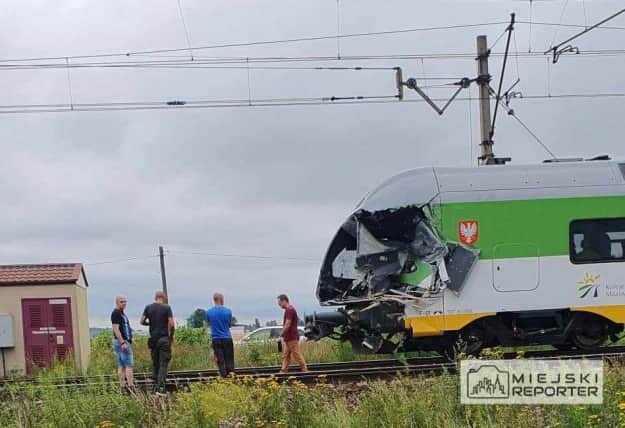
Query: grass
x=406 y=402
x=191 y=351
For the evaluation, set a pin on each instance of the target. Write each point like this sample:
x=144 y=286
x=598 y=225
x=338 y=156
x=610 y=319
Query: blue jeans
x=125 y=358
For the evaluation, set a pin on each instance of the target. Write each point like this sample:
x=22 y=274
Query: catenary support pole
x=483 y=80
x=161 y=255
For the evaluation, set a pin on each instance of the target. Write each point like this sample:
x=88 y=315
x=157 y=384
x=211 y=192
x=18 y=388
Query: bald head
x=218 y=298
x=121 y=302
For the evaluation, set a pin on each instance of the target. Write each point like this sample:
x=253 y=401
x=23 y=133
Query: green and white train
x=456 y=259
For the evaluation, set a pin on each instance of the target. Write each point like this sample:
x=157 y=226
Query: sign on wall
x=7 y=338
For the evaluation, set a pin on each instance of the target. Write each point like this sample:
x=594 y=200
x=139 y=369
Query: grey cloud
x=273 y=181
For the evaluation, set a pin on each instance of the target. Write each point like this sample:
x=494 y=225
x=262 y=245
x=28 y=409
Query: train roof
x=559 y=179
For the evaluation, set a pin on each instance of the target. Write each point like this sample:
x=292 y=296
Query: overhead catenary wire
x=249 y=83
x=54 y=259
x=498 y=38
x=323 y=101
x=120 y=260
x=185 y=64
x=186 y=30
x=200 y=253
x=69 y=84
x=548 y=77
x=241 y=256
x=262 y=42
x=555 y=32
x=179 y=103
x=289 y=40
x=530 y=29
x=512 y=113
x=516 y=57
x=543 y=145
x=555 y=48
x=231 y=63
x=425 y=80
x=338 y=29
x=563 y=25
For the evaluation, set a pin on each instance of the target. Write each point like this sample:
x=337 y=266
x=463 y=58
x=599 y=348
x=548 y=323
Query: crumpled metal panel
x=427 y=246
x=387 y=243
x=460 y=261
x=367 y=243
x=344 y=265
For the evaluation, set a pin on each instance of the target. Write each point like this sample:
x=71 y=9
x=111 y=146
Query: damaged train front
x=387 y=259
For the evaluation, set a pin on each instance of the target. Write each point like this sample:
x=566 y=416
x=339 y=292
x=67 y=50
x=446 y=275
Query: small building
x=43 y=316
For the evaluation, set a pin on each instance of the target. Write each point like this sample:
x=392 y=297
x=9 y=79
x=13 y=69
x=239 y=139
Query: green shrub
x=192 y=336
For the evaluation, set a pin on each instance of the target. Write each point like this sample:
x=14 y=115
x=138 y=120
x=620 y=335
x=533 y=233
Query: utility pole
x=163 y=276
x=483 y=81
x=487 y=128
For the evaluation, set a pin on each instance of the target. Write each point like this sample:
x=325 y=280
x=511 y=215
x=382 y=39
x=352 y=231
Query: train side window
x=622 y=166
x=597 y=240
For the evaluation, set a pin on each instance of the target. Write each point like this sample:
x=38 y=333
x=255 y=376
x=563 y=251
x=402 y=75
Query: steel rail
x=212 y=372
x=332 y=372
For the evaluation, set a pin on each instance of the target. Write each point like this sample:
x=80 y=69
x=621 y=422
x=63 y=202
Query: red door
x=35 y=319
x=47 y=330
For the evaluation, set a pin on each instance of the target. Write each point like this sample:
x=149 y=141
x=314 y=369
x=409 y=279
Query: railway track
x=329 y=372
x=247 y=371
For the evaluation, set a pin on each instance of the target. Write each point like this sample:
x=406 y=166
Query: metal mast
x=161 y=255
x=483 y=81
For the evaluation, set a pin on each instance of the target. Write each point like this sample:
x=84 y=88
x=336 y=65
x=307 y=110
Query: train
x=454 y=260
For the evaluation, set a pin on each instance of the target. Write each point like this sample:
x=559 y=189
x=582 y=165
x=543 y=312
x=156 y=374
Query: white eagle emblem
x=468 y=231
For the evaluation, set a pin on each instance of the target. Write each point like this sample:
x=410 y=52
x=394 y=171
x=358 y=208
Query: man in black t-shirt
x=122 y=343
x=159 y=317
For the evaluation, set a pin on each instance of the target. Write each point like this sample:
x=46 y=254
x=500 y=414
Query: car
x=268 y=334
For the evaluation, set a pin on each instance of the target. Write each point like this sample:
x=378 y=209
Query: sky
x=107 y=188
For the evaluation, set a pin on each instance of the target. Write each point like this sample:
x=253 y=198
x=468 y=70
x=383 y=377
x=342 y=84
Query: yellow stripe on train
x=436 y=325
x=615 y=313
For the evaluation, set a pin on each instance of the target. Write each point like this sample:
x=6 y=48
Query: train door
x=512 y=273
x=48 y=331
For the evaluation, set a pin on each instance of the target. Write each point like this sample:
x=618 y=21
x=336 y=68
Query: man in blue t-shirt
x=220 y=319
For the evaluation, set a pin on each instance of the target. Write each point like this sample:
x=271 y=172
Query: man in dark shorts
x=122 y=343
x=160 y=318
x=290 y=336
x=220 y=320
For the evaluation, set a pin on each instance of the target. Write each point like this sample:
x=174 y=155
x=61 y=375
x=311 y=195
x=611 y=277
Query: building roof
x=44 y=274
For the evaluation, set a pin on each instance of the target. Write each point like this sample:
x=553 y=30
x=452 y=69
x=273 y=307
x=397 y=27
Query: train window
x=597 y=240
x=622 y=166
